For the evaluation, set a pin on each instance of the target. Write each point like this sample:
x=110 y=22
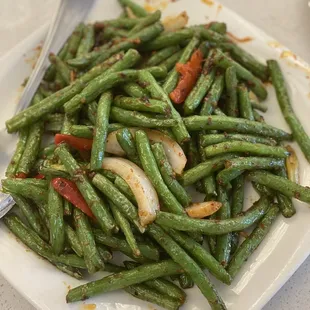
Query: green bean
x=252 y=242
x=201 y=255
x=210 y=35
x=173 y=76
x=211 y=139
x=208 y=182
x=54 y=122
x=134 y=90
x=137 y=9
x=142 y=105
x=226 y=123
x=56 y=100
x=82 y=131
x=258 y=117
x=263 y=190
x=32 y=216
x=139 y=38
x=71 y=271
x=147 y=250
x=102 y=124
x=231 y=83
x=92 y=258
x=186 y=281
x=214 y=227
x=223 y=242
x=218 y=27
x=69 y=120
x=74 y=41
x=246 y=147
x=188 y=264
x=298 y=131
x=285 y=203
x=280 y=184
x=122 y=22
x=157 y=92
x=213 y=96
x=202 y=86
x=254 y=83
x=235 y=167
x=259 y=106
x=161 y=285
x=245 y=106
x=237 y=206
x=51 y=70
x=53 y=170
x=32 y=148
x=171 y=61
x=88 y=40
x=153 y=173
x=144 y=22
x=120 y=200
x=105 y=253
x=124 y=279
x=145 y=293
x=126 y=141
x=56 y=221
x=124 y=225
x=246 y=60
x=73 y=240
x=103 y=82
x=168 y=175
x=133 y=118
x=125 y=189
x=47 y=151
x=204 y=169
x=92 y=111
x=161 y=55
x=19 y=151
x=61 y=68
x=97 y=206
x=20 y=187
x=67 y=208
x=168 y=39
x=37 y=245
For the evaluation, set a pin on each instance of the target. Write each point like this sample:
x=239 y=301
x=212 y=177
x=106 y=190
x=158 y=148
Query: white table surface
x=286 y=20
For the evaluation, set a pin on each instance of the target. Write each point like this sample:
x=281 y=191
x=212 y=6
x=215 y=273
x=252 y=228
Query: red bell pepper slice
x=69 y=191
x=189 y=75
x=81 y=144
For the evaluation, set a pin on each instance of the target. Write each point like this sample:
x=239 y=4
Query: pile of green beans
x=114 y=75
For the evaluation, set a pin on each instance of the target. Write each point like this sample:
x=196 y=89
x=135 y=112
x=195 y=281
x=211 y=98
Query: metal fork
x=68 y=14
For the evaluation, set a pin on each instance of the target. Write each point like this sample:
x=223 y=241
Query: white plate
x=285 y=248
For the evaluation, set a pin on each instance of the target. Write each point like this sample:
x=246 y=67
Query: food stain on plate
x=239 y=40
x=208 y=2
x=219 y=9
x=153 y=5
x=32 y=60
x=274 y=44
x=88 y=307
x=287 y=54
x=68 y=286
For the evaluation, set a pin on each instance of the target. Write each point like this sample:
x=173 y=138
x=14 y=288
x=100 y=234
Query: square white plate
x=286 y=246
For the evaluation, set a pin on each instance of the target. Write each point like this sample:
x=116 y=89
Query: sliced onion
x=140 y=185
x=173 y=150
x=173 y=23
x=203 y=209
x=292 y=165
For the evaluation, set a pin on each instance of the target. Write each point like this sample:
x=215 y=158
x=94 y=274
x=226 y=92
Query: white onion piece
x=173 y=150
x=140 y=185
x=202 y=209
x=173 y=23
